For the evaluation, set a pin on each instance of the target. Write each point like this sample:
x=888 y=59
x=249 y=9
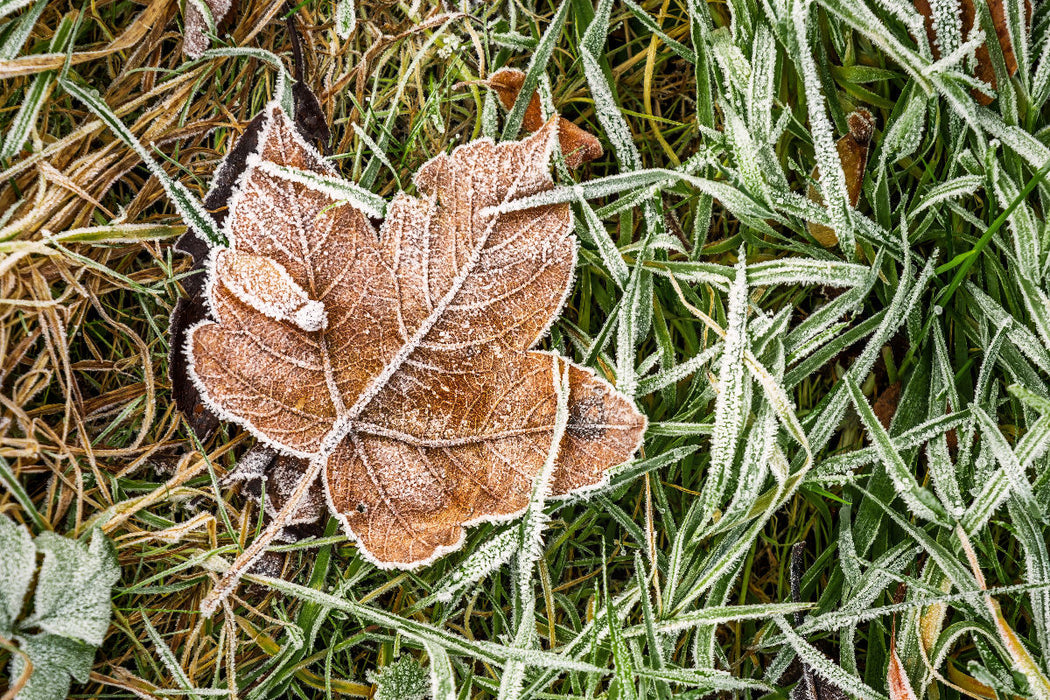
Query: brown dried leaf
x=886 y=405
x=401 y=360
x=195 y=39
x=853 y=154
x=577 y=145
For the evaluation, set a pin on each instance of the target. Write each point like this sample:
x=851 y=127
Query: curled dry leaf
x=577 y=145
x=853 y=153
x=400 y=360
x=191 y=309
x=968 y=14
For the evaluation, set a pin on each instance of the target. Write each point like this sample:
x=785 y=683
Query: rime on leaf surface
x=411 y=377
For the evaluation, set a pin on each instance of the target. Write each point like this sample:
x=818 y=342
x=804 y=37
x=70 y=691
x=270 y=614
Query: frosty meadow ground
x=879 y=396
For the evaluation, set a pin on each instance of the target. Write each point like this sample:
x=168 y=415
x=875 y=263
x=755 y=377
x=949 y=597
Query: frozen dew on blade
x=853 y=154
x=398 y=364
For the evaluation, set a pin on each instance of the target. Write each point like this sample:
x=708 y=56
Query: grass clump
x=883 y=400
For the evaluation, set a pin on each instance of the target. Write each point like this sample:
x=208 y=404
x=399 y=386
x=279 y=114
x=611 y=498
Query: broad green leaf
x=73 y=588
x=16 y=572
x=55 y=658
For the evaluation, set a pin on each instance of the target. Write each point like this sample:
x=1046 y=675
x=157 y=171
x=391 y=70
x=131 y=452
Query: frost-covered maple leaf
x=399 y=362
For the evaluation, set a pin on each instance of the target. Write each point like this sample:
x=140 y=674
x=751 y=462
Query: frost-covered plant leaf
x=71 y=607
x=72 y=590
x=345 y=18
x=404 y=679
x=897 y=680
x=16 y=572
x=399 y=361
x=192 y=308
x=55 y=658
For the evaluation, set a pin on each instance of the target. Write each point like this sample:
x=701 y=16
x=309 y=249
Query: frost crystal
x=832 y=178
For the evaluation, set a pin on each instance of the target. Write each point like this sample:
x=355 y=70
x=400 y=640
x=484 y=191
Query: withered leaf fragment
x=269 y=479
x=853 y=154
x=411 y=378
x=577 y=145
x=196 y=25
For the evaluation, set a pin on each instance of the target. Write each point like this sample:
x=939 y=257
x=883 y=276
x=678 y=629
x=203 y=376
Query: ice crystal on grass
x=612 y=121
x=832 y=179
x=729 y=419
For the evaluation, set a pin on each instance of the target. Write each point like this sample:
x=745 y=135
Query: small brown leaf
x=886 y=405
x=577 y=145
x=853 y=154
x=401 y=360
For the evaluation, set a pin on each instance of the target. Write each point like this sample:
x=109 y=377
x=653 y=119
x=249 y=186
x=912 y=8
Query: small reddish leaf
x=897 y=680
x=417 y=389
x=577 y=145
